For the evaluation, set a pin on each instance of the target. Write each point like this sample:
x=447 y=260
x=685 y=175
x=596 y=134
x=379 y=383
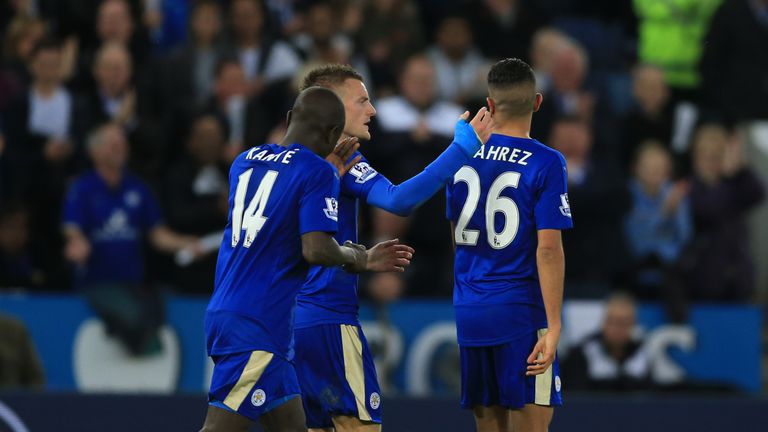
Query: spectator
x=418 y=110
x=734 y=75
x=195 y=198
x=504 y=28
x=658 y=225
x=115 y=24
x=718 y=265
x=116 y=100
x=545 y=46
x=416 y=127
x=265 y=60
x=614 y=358
x=22 y=36
x=190 y=72
x=651 y=116
x=461 y=70
x=671 y=36
x=191 y=69
x=390 y=34
x=568 y=94
x=599 y=199
x=248 y=120
x=42 y=127
x=108 y=213
x=322 y=42
x=20 y=366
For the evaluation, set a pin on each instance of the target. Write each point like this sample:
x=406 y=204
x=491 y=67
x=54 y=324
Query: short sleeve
x=359 y=180
x=74 y=206
x=552 y=210
x=319 y=205
x=151 y=216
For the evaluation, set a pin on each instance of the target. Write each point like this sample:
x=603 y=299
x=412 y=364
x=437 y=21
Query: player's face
x=358 y=109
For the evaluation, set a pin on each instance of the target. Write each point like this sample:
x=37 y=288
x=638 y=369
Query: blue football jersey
x=511 y=188
x=276 y=195
x=115 y=221
x=329 y=295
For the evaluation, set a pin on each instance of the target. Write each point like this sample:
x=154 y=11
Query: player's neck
x=513 y=126
x=513 y=129
x=306 y=138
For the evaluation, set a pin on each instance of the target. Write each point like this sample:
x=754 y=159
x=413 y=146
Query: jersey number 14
x=252 y=219
x=495 y=203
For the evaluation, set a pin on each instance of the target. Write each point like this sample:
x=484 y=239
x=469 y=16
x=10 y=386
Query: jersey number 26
x=252 y=220
x=495 y=203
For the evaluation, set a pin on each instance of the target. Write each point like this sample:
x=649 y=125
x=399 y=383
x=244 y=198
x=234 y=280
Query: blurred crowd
x=118 y=119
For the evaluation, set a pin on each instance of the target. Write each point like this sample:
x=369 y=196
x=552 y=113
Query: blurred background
x=659 y=106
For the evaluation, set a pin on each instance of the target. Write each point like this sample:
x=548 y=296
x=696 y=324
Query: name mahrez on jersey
x=500 y=153
x=264 y=156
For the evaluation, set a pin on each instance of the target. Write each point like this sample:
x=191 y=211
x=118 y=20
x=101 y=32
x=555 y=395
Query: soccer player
x=508 y=206
x=333 y=362
x=283 y=211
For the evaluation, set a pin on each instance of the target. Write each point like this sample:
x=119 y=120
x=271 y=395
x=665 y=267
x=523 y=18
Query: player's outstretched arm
x=320 y=248
x=402 y=199
x=550 y=261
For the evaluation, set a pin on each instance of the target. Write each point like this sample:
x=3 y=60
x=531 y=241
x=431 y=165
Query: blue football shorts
x=337 y=374
x=495 y=375
x=252 y=383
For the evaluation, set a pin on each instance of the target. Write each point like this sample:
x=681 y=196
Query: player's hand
x=342 y=152
x=389 y=256
x=482 y=123
x=543 y=353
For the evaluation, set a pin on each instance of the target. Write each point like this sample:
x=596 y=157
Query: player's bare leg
x=532 y=418
x=221 y=420
x=354 y=424
x=491 y=419
x=288 y=417
x=321 y=430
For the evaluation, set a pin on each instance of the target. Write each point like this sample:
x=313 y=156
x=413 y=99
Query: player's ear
x=288 y=118
x=491 y=106
x=333 y=135
x=537 y=102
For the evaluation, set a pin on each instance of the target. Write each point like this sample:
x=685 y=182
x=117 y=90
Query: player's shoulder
x=310 y=167
x=548 y=154
x=362 y=171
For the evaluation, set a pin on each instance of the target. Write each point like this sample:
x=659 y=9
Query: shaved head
x=320 y=107
x=317 y=116
x=512 y=87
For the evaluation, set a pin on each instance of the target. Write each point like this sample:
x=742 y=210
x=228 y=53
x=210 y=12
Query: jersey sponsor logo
x=331 y=209
x=558 y=383
x=565 y=207
x=258 y=397
x=362 y=172
x=375 y=400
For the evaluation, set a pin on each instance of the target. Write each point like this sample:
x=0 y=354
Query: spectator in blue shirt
x=108 y=212
x=658 y=225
